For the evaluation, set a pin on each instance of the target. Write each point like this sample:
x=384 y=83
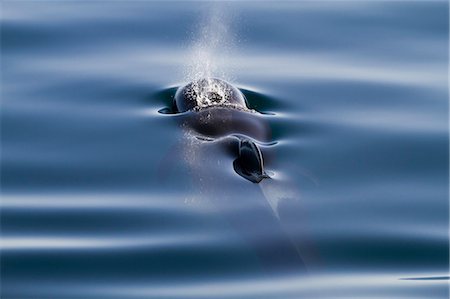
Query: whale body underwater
x=219 y=116
x=218 y=109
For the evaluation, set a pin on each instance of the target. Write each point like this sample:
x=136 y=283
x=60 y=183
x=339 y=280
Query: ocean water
x=106 y=196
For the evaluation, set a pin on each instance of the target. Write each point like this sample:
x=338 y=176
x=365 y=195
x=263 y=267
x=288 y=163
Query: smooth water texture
x=105 y=197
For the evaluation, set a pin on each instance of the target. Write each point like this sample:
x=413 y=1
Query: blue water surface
x=104 y=197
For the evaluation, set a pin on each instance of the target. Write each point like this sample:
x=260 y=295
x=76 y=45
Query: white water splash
x=209 y=92
x=213 y=42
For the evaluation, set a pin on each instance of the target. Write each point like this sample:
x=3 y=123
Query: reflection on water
x=104 y=197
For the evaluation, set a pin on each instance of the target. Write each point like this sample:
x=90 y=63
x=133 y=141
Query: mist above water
x=212 y=42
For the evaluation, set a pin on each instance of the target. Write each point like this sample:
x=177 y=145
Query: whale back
x=217 y=122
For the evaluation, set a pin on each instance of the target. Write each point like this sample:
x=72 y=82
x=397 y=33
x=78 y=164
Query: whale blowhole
x=207 y=93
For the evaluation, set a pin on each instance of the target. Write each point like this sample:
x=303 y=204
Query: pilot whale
x=218 y=110
x=220 y=127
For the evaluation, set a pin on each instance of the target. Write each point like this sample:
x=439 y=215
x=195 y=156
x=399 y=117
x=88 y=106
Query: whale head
x=207 y=93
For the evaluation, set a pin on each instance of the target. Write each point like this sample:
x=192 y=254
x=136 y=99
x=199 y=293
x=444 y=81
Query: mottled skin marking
x=206 y=93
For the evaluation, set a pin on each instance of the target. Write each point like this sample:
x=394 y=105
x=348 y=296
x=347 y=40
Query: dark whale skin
x=215 y=109
x=208 y=92
x=216 y=122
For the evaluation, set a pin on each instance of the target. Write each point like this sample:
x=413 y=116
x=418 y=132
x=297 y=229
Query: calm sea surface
x=105 y=197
